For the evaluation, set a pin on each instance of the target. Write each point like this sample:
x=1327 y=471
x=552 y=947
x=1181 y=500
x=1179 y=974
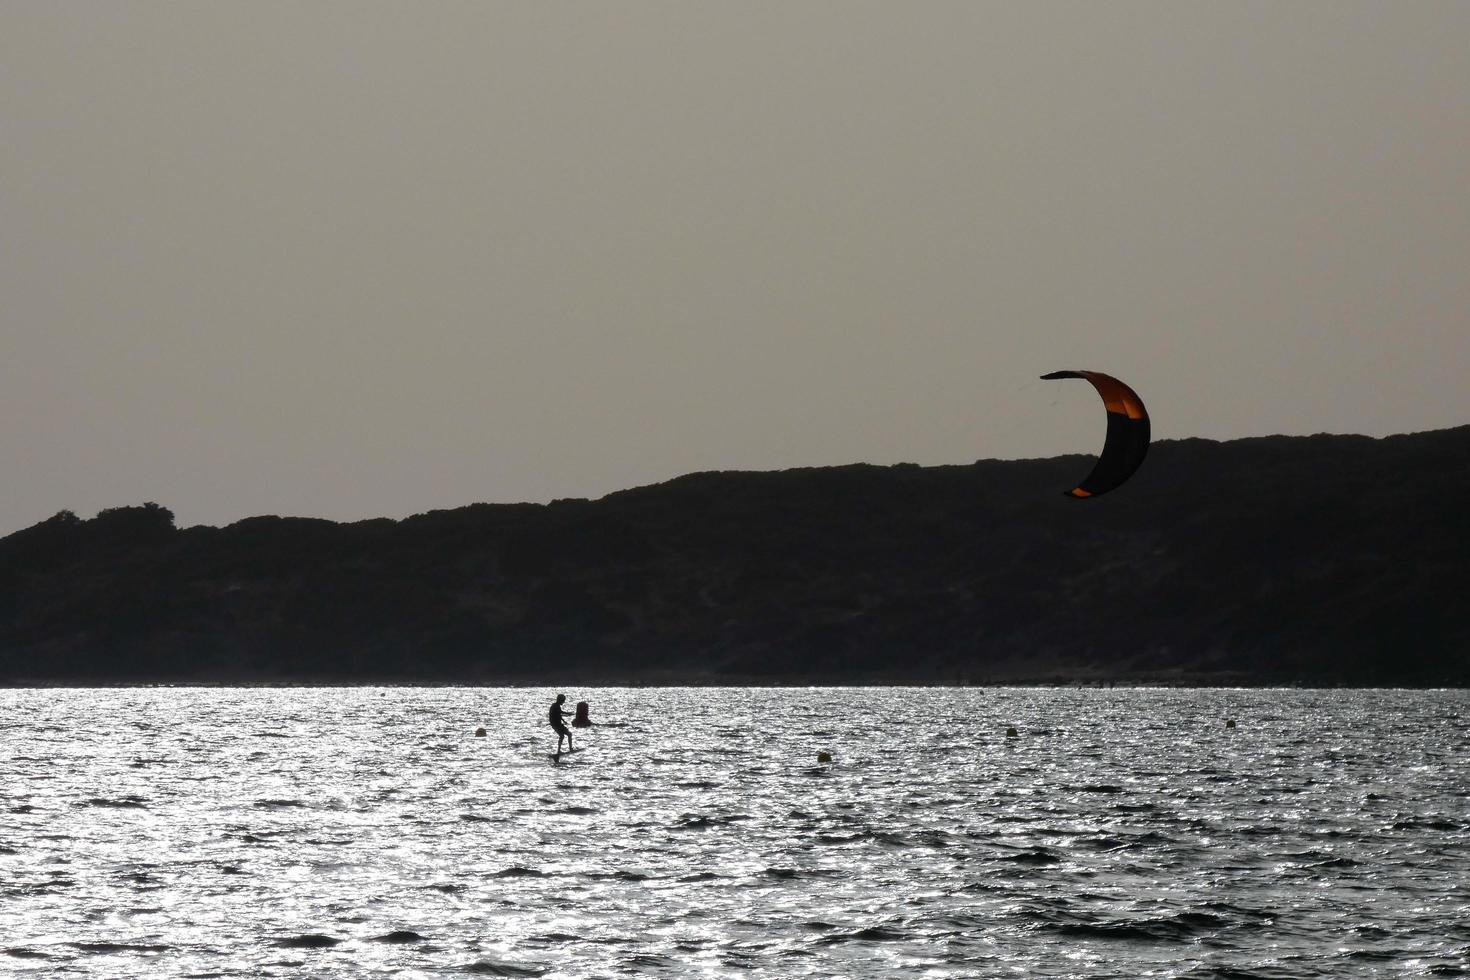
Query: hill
x=1322 y=559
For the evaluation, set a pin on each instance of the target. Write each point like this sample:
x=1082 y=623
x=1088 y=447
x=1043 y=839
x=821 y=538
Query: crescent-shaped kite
x=1127 y=441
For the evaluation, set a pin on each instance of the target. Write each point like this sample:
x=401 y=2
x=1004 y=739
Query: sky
x=352 y=260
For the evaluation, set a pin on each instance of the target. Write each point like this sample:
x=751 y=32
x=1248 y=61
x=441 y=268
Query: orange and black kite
x=1127 y=441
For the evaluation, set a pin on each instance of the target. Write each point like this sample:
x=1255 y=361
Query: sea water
x=368 y=831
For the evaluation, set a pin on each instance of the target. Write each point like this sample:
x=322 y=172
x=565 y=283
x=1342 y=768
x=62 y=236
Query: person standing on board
x=559 y=725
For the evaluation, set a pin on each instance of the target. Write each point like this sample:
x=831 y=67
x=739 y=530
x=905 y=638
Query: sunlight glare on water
x=367 y=831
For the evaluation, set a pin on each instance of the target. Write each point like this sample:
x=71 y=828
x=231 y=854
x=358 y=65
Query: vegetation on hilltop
x=1323 y=559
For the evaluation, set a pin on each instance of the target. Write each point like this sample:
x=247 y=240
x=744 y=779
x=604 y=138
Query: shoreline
x=34 y=684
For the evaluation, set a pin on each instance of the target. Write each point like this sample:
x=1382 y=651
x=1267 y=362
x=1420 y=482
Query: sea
x=735 y=832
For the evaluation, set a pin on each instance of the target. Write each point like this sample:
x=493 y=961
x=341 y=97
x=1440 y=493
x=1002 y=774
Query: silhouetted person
x=559 y=725
x=582 y=720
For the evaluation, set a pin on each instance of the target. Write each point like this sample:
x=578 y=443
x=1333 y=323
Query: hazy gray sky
x=362 y=259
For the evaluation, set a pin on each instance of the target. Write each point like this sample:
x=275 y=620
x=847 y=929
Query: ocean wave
x=123 y=803
x=309 y=940
x=871 y=934
x=108 y=948
x=1180 y=927
x=519 y=872
x=1036 y=857
x=791 y=874
x=493 y=968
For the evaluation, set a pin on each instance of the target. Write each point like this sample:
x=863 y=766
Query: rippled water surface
x=356 y=832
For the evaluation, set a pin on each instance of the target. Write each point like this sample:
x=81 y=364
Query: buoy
x=1010 y=733
x=479 y=733
x=1229 y=722
x=824 y=756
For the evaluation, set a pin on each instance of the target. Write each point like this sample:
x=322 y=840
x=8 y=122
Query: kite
x=1128 y=431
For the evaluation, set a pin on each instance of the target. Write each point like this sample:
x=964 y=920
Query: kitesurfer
x=559 y=725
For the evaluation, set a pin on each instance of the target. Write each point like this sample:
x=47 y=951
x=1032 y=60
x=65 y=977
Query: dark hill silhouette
x=1324 y=559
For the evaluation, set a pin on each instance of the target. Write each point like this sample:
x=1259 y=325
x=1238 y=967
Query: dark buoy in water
x=479 y=733
x=1229 y=722
x=581 y=720
x=824 y=756
x=1010 y=733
